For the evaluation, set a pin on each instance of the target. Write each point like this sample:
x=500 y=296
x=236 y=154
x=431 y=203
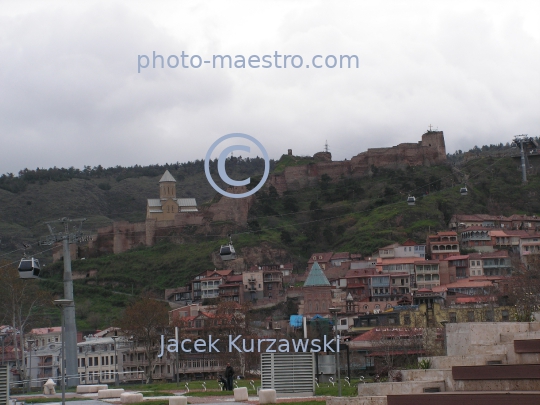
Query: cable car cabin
x=411 y=200
x=227 y=252
x=463 y=191
x=29 y=268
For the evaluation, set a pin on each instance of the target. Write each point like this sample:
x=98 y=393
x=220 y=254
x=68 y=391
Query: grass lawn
x=41 y=400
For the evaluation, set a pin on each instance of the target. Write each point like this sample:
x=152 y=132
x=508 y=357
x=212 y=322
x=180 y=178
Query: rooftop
x=409 y=242
x=167 y=177
x=341 y=255
x=316 y=277
x=320 y=257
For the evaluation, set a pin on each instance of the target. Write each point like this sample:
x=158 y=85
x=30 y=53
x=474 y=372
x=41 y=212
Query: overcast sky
x=70 y=93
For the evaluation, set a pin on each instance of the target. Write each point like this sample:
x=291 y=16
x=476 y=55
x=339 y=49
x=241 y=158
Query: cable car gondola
x=29 y=268
x=411 y=200
x=227 y=252
x=463 y=190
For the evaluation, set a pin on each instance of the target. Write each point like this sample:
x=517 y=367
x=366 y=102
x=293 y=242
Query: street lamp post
x=63 y=303
x=86 y=364
x=29 y=343
x=116 y=381
x=335 y=311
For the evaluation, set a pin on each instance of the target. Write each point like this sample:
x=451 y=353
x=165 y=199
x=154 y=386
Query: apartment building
x=442 y=245
x=427 y=274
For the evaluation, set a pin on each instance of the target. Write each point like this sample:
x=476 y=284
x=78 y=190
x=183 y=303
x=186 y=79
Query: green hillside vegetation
x=98 y=194
x=355 y=215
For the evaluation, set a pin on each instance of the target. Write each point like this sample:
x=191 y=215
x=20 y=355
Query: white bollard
x=241 y=394
x=92 y=388
x=267 y=396
x=178 y=400
x=112 y=393
x=131 y=397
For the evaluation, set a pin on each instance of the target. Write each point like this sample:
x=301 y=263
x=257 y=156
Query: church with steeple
x=317 y=292
x=167 y=206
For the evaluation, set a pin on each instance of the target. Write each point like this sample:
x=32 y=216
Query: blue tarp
x=296 y=321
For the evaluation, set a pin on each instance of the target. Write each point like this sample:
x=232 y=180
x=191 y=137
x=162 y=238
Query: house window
x=343 y=322
x=407 y=320
x=489 y=316
x=453 y=318
x=504 y=316
x=470 y=316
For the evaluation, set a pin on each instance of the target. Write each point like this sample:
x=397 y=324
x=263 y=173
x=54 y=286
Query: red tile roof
x=460 y=257
x=360 y=272
x=320 y=257
x=409 y=242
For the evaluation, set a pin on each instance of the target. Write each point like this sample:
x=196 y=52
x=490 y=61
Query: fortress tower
x=435 y=140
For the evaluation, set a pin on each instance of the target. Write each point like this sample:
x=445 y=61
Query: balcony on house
x=226 y=292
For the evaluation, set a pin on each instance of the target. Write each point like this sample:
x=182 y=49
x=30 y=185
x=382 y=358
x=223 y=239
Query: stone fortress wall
x=122 y=236
x=429 y=151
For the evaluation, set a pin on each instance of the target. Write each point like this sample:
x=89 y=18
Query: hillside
x=355 y=215
x=98 y=194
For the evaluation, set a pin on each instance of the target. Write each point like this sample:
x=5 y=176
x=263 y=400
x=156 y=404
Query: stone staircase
x=487 y=363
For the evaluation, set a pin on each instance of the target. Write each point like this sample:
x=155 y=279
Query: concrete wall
x=464 y=339
x=429 y=375
x=447 y=362
x=398 y=388
x=375 y=400
x=497 y=385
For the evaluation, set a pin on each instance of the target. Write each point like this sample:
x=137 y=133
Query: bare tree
x=146 y=320
x=524 y=289
x=22 y=303
x=397 y=347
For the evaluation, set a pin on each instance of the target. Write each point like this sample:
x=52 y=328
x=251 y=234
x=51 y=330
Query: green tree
x=291 y=204
x=286 y=237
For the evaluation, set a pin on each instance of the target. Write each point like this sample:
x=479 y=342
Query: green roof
x=316 y=277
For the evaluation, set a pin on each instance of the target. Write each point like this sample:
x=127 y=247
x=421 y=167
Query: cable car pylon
x=70 y=330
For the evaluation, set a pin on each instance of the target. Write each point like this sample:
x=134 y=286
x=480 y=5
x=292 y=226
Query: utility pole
x=524 y=141
x=70 y=330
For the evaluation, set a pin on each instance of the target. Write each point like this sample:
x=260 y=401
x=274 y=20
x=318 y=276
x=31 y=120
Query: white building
x=97 y=360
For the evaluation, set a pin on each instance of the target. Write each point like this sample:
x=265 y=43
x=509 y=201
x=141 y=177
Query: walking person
x=229 y=373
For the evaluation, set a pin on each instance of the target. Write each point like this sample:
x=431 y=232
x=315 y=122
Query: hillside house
x=324 y=260
x=442 y=245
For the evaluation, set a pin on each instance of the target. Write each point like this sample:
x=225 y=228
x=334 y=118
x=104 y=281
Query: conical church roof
x=167 y=177
x=316 y=277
